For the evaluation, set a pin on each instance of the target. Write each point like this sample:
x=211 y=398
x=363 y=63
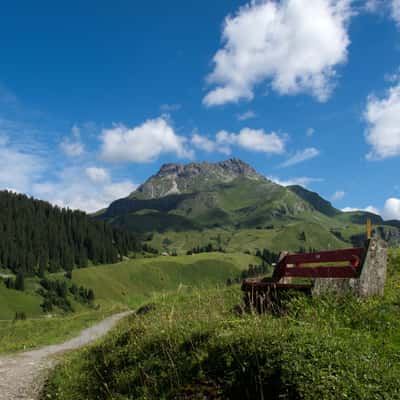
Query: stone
x=371 y=281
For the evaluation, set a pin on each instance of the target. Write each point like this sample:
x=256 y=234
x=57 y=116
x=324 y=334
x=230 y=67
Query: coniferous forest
x=36 y=237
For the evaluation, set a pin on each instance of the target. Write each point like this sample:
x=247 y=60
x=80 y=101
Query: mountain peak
x=173 y=178
x=231 y=165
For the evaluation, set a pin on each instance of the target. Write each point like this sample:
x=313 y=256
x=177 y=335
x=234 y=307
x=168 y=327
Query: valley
x=173 y=254
x=199 y=200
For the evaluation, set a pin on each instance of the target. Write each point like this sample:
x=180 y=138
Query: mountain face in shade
x=315 y=200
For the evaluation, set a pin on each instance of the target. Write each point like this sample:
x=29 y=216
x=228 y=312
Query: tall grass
x=198 y=345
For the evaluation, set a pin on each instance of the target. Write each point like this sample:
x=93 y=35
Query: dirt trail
x=22 y=375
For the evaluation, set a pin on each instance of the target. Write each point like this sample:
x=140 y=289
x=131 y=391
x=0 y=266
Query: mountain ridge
x=174 y=178
x=231 y=198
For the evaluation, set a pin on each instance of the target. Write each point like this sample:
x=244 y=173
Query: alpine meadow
x=200 y=200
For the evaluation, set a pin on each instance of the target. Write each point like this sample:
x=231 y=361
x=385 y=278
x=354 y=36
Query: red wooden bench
x=346 y=263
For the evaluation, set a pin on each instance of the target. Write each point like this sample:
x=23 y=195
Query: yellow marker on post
x=369 y=228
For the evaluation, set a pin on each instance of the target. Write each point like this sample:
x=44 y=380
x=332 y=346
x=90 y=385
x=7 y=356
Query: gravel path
x=22 y=375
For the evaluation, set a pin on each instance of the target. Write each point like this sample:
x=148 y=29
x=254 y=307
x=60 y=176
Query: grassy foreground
x=193 y=346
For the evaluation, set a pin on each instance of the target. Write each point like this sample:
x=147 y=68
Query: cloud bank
x=295 y=45
x=383 y=124
x=143 y=143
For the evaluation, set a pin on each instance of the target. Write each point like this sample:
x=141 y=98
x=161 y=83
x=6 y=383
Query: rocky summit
x=229 y=193
x=179 y=178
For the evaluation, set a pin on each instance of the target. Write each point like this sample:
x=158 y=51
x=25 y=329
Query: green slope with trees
x=37 y=237
x=94 y=292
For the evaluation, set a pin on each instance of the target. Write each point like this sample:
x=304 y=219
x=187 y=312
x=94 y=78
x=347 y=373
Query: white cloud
x=304 y=181
x=301 y=156
x=338 y=195
x=72 y=146
x=18 y=169
x=97 y=175
x=117 y=190
x=310 y=132
x=72 y=149
x=370 y=209
x=246 y=115
x=252 y=139
x=203 y=143
x=144 y=143
x=384 y=7
x=295 y=44
x=373 y=6
x=87 y=189
x=383 y=119
x=391 y=209
x=395 y=10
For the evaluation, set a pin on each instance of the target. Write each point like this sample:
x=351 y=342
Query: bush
x=20 y=316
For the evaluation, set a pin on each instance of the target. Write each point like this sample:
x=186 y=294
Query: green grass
x=12 y=301
x=283 y=236
x=116 y=286
x=135 y=281
x=33 y=333
x=193 y=346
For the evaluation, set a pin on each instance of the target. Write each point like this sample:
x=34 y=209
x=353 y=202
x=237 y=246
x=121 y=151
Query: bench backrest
x=311 y=265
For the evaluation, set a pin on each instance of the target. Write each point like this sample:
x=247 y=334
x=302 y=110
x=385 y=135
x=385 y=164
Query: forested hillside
x=37 y=237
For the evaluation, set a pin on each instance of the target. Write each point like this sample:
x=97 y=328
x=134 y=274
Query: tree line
x=208 y=248
x=250 y=272
x=55 y=294
x=37 y=237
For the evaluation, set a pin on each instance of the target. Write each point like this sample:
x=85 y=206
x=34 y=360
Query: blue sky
x=95 y=96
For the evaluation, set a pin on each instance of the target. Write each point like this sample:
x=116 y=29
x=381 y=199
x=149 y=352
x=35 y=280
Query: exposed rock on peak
x=186 y=178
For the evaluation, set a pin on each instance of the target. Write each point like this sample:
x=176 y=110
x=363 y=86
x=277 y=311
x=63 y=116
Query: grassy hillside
x=276 y=237
x=12 y=301
x=116 y=286
x=319 y=204
x=134 y=281
x=131 y=282
x=193 y=346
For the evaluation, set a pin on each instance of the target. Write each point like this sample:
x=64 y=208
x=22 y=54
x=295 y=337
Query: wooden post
x=369 y=229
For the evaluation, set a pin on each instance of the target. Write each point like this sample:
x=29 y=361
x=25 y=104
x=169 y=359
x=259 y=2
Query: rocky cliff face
x=193 y=177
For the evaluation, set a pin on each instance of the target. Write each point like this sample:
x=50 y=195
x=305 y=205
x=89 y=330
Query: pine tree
x=20 y=282
x=37 y=237
x=90 y=296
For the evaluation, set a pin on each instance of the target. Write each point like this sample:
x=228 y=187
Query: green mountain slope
x=314 y=199
x=227 y=194
x=205 y=195
x=230 y=205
